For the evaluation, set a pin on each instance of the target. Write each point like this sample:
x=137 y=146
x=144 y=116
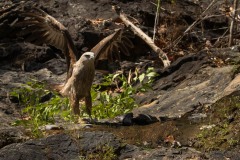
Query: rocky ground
x=191 y=113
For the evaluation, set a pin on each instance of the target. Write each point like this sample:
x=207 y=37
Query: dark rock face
x=128 y=151
x=25 y=56
x=11 y=135
x=163 y=153
x=91 y=142
x=61 y=147
x=234 y=154
x=56 y=147
x=188 y=83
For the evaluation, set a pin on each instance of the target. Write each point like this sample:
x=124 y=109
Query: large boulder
x=62 y=146
x=190 y=82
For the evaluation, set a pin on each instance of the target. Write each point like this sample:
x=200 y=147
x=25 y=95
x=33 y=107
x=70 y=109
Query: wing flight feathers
x=36 y=26
x=111 y=46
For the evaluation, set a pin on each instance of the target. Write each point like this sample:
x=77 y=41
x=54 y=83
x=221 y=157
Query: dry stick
x=219 y=38
x=156 y=20
x=146 y=38
x=232 y=24
x=155 y=25
x=194 y=23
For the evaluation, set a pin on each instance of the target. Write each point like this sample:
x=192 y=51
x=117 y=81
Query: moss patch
x=225 y=115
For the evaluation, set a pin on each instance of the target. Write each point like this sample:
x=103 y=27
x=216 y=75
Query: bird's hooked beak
x=92 y=56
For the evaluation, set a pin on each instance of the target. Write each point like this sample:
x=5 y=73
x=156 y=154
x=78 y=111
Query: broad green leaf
x=141 y=77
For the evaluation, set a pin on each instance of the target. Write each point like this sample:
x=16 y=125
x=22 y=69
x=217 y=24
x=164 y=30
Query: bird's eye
x=87 y=56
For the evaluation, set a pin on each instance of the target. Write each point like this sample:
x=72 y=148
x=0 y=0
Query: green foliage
x=37 y=113
x=110 y=103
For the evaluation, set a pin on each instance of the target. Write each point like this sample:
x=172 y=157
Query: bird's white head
x=88 y=55
x=87 y=58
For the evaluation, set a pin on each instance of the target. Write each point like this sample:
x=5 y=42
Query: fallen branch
x=162 y=56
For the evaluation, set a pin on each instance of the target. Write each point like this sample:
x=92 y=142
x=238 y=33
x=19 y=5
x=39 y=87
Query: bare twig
x=163 y=57
x=220 y=38
x=232 y=23
x=201 y=18
x=156 y=20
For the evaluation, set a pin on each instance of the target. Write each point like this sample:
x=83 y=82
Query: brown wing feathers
x=48 y=28
x=36 y=26
x=109 y=47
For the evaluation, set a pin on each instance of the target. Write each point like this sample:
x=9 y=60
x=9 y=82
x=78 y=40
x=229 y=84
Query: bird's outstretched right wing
x=38 y=27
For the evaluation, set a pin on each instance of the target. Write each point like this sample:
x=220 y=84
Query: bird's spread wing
x=110 y=47
x=102 y=47
x=38 y=27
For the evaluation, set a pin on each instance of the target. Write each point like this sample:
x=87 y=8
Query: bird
x=38 y=27
x=79 y=84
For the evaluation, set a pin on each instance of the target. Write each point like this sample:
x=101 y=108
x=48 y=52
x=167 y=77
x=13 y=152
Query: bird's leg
x=88 y=103
x=69 y=67
x=74 y=101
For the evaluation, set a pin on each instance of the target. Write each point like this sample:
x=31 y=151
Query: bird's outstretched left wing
x=112 y=46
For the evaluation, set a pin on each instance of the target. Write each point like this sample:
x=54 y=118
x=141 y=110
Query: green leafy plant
x=110 y=103
x=37 y=111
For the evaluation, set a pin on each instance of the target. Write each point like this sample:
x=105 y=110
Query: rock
x=30 y=66
x=162 y=153
x=233 y=155
x=128 y=151
x=202 y=85
x=197 y=117
x=11 y=135
x=25 y=56
x=144 y=119
x=91 y=142
x=128 y=119
x=56 y=147
x=56 y=66
x=233 y=86
x=8 y=50
x=63 y=146
x=8 y=114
